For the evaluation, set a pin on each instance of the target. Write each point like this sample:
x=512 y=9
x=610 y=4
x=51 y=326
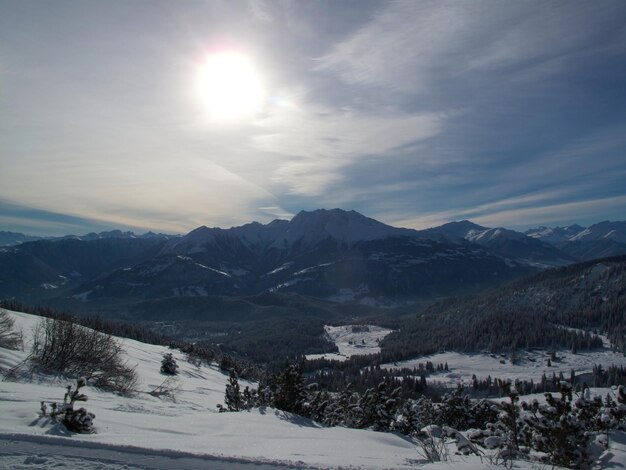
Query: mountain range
x=330 y=255
x=8 y=238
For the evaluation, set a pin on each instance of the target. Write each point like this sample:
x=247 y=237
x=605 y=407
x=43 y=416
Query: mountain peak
x=457 y=230
x=339 y=224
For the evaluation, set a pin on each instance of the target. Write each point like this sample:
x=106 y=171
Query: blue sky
x=415 y=113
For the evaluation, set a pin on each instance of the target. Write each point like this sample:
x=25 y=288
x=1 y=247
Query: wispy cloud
x=522 y=212
x=555 y=213
x=318 y=143
x=412 y=45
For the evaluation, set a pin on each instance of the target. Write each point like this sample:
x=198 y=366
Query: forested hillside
x=540 y=311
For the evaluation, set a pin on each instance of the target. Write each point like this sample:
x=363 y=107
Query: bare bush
x=9 y=338
x=63 y=346
x=431 y=444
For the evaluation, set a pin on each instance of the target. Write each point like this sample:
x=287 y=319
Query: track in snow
x=22 y=452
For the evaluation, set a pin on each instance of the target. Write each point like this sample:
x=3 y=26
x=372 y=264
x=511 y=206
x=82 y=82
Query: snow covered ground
x=190 y=424
x=529 y=365
x=145 y=432
x=353 y=340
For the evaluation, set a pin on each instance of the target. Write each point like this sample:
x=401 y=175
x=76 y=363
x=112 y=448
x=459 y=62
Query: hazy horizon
x=100 y=229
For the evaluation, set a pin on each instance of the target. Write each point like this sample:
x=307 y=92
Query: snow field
x=353 y=340
x=191 y=423
x=530 y=365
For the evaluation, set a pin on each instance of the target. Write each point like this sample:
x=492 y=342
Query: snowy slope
x=148 y=433
x=615 y=231
x=190 y=424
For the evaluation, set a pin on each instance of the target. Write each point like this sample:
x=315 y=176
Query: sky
x=130 y=113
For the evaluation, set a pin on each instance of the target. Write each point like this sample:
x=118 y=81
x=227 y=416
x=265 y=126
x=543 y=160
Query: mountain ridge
x=335 y=255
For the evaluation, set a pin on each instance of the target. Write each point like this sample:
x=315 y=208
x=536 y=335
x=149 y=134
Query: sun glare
x=229 y=86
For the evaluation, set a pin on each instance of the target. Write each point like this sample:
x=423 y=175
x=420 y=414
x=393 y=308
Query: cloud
x=523 y=211
x=317 y=143
x=555 y=213
x=411 y=45
x=260 y=11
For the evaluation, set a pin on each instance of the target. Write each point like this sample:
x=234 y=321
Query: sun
x=230 y=86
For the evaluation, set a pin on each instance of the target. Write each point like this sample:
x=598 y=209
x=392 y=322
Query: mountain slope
x=37 y=269
x=538 y=311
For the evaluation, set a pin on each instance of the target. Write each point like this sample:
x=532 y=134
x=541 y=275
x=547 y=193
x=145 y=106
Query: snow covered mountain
x=554 y=234
x=504 y=242
x=606 y=230
x=584 y=243
x=305 y=230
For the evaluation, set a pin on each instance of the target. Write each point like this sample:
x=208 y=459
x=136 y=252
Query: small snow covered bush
x=65 y=347
x=80 y=420
x=169 y=365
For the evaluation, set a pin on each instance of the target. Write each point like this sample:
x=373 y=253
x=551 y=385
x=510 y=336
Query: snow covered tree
x=232 y=396
x=408 y=419
x=378 y=407
x=455 y=410
x=250 y=398
x=288 y=389
x=557 y=431
x=344 y=410
x=169 y=365
x=318 y=406
x=618 y=410
x=508 y=425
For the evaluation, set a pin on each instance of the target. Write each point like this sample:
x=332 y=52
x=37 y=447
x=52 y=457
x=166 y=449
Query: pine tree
x=250 y=398
x=508 y=423
x=288 y=389
x=168 y=364
x=557 y=431
x=232 y=396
